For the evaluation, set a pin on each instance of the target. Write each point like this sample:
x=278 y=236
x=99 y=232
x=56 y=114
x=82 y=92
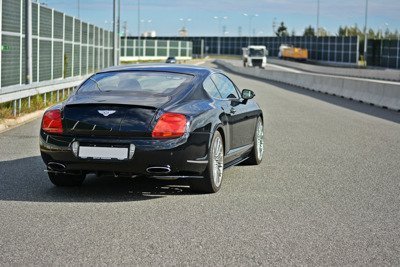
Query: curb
x=9 y=124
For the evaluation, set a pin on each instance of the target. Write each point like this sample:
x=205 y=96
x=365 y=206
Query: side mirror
x=247 y=94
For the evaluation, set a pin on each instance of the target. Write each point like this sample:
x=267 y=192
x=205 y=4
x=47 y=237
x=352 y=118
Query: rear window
x=136 y=81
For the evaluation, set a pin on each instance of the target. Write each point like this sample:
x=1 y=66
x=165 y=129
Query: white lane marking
x=283 y=68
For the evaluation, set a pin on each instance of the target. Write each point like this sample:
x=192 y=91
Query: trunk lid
x=110 y=115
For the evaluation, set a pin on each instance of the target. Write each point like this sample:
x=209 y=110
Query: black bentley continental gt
x=162 y=121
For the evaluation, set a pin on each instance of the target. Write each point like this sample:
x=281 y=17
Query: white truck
x=255 y=56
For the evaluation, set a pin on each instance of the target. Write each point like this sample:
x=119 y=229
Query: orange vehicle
x=293 y=53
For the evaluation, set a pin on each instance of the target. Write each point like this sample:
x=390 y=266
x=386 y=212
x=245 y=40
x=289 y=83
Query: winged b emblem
x=106 y=113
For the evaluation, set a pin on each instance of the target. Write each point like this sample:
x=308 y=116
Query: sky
x=165 y=15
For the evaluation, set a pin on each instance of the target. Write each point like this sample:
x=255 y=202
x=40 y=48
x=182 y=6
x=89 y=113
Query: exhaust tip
x=54 y=166
x=159 y=170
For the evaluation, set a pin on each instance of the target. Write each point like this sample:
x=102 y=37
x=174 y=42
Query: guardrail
x=382 y=94
x=57 y=87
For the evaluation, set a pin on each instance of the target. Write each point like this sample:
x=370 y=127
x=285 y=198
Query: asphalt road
x=275 y=67
x=239 y=63
x=327 y=193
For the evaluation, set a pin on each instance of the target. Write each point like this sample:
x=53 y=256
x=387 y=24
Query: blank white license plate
x=95 y=152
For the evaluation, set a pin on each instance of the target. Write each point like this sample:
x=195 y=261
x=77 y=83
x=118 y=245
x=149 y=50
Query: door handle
x=233 y=110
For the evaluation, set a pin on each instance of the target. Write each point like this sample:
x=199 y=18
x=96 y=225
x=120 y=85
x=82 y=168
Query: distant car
x=171 y=60
x=160 y=121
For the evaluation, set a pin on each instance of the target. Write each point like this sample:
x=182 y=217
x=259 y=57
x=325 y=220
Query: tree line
x=282 y=31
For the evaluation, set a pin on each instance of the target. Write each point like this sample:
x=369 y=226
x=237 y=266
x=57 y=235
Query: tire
x=59 y=179
x=256 y=154
x=212 y=181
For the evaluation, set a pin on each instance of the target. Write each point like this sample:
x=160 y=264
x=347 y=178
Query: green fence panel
x=34 y=59
x=77 y=31
x=58 y=25
x=84 y=33
x=44 y=60
x=162 y=52
x=84 y=60
x=96 y=61
x=45 y=22
x=23 y=63
x=150 y=52
x=91 y=55
x=11 y=14
x=91 y=34
x=77 y=60
x=10 y=61
x=67 y=60
x=57 y=60
x=68 y=28
x=35 y=19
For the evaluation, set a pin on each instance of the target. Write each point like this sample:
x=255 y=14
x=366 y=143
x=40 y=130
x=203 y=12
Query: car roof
x=184 y=69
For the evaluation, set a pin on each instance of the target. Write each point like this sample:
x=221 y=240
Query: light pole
x=365 y=32
x=115 y=33
x=251 y=17
x=317 y=18
x=219 y=29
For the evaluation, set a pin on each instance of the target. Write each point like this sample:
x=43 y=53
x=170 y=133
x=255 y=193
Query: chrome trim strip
x=239 y=150
x=197 y=161
x=174 y=177
x=73 y=128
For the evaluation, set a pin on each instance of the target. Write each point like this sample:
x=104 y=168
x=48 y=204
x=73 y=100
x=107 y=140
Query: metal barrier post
x=15 y=108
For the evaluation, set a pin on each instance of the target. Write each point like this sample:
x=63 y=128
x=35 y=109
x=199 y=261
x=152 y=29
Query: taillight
x=170 y=125
x=51 y=122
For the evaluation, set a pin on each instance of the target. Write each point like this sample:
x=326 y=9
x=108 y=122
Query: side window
x=225 y=86
x=209 y=86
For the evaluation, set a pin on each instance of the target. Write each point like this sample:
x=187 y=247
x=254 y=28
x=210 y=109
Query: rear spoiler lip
x=145 y=102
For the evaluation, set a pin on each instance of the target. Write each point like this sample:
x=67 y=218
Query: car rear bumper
x=186 y=156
